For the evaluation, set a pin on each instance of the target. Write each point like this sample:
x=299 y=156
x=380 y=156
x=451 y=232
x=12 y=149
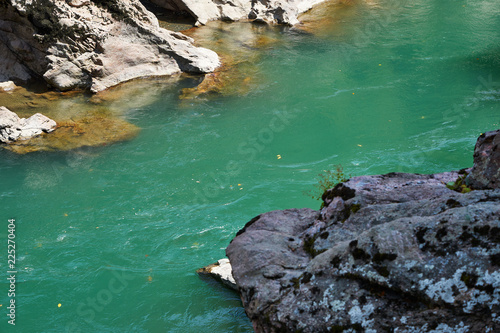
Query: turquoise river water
x=108 y=239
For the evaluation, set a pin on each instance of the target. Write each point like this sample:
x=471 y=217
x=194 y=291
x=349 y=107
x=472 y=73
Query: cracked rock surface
x=395 y=252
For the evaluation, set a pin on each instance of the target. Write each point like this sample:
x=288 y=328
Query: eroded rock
x=92 y=44
x=396 y=252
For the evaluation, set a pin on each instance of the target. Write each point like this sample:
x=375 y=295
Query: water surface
x=114 y=234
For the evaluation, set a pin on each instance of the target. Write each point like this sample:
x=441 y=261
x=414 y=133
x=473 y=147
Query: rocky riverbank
x=92 y=44
x=395 y=252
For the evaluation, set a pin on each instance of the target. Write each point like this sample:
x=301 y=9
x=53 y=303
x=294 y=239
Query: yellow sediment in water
x=92 y=130
x=240 y=47
x=82 y=119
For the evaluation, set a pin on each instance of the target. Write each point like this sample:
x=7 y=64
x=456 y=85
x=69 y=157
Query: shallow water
x=114 y=234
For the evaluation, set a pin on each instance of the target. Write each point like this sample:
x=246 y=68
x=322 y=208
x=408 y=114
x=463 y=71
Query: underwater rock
x=395 y=252
x=85 y=120
x=92 y=44
x=240 y=46
x=94 y=130
x=13 y=128
x=220 y=271
x=486 y=171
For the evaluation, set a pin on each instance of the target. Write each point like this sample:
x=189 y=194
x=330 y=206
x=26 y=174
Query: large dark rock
x=388 y=253
x=486 y=171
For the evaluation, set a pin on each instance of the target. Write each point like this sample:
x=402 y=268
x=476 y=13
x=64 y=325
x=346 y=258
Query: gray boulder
x=13 y=128
x=92 y=44
x=388 y=253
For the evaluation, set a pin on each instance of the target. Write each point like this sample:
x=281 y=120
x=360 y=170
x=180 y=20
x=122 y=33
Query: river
x=108 y=238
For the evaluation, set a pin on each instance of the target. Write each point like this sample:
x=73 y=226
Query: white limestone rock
x=13 y=128
x=7 y=86
x=220 y=271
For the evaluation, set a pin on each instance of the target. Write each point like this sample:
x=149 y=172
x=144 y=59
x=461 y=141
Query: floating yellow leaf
x=150 y=278
x=65 y=214
x=360 y=146
x=59 y=305
x=239 y=184
x=279 y=157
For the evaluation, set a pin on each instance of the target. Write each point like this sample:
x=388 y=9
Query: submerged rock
x=13 y=128
x=395 y=252
x=90 y=131
x=85 y=120
x=220 y=271
x=92 y=44
x=241 y=47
